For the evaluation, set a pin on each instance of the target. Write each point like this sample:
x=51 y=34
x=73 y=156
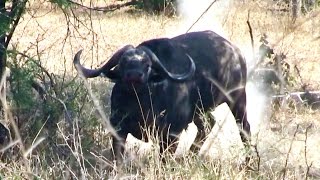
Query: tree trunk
x=2 y=42
x=296 y=9
x=148 y=5
x=156 y=5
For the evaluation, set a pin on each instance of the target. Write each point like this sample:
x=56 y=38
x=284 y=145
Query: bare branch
x=19 y=10
x=305 y=153
x=250 y=32
x=288 y=153
x=258 y=156
x=204 y=12
x=108 y=8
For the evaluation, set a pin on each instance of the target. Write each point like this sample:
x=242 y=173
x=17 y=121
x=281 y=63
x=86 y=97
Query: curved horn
x=87 y=73
x=176 y=77
x=90 y=73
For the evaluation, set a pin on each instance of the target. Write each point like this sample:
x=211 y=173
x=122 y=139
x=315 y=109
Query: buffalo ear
x=113 y=74
x=156 y=77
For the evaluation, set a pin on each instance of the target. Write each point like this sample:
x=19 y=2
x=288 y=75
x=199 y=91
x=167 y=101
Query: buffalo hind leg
x=240 y=113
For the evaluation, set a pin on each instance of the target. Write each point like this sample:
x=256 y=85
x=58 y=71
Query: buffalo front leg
x=201 y=135
x=168 y=144
x=118 y=145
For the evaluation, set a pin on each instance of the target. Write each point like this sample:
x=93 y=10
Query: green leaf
x=63 y=4
x=4 y=23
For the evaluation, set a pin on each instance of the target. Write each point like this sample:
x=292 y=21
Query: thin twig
x=305 y=152
x=299 y=74
x=288 y=153
x=258 y=156
x=204 y=12
x=52 y=81
x=250 y=32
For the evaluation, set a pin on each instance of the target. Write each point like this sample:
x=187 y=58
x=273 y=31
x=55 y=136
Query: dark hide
x=4 y=134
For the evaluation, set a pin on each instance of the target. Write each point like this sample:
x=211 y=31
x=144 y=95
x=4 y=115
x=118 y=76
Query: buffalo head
x=134 y=66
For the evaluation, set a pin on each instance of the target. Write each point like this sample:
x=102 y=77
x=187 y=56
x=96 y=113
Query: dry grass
x=287 y=144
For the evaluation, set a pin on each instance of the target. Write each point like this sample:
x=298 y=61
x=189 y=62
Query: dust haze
x=214 y=19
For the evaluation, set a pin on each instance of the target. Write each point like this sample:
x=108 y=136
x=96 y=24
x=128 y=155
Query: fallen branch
x=311 y=98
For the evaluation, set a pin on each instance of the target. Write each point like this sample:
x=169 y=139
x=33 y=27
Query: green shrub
x=159 y=5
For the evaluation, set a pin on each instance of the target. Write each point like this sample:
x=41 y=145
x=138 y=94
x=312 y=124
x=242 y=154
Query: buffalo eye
x=146 y=64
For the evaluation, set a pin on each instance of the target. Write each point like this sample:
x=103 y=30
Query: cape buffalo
x=166 y=83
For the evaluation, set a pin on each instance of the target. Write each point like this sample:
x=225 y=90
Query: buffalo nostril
x=134 y=76
x=140 y=74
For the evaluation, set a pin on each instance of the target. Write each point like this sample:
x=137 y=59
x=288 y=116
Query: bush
x=50 y=106
x=159 y=5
